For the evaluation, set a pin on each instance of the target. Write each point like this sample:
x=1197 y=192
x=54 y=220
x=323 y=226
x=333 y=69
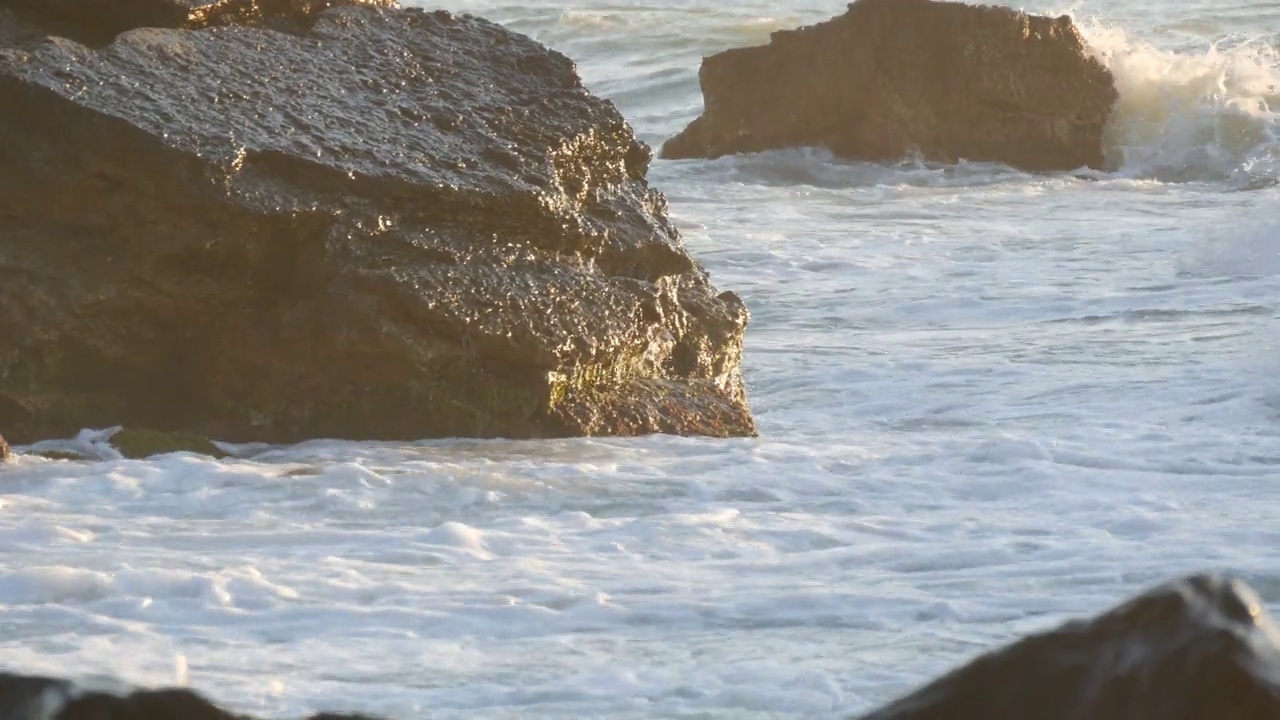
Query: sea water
x=988 y=401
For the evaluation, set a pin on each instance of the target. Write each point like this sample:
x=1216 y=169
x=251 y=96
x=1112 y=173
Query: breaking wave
x=1207 y=113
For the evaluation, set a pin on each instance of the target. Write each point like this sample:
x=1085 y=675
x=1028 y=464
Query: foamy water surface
x=988 y=401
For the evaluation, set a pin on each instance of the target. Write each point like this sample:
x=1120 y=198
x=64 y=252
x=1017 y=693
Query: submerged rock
x=116 y=443
x=893 y=77
x=378 y=224
x=145 y=443
x=1197 y=649
x=68 y=455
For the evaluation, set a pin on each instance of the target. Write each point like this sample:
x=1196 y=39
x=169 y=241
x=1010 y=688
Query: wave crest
x=1206 y=113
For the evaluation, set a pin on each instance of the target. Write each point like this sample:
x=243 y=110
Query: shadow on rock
x=1202 y=648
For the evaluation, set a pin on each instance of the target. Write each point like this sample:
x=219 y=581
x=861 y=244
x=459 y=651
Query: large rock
x=1201 y=648
x=893 y=77
x=379 y=223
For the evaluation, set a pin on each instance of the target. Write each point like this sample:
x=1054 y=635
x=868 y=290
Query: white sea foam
x=988 y=401
x=1205 y=112
x=1248 y=248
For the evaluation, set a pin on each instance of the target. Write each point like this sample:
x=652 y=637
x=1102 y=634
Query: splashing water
x=1199 y=114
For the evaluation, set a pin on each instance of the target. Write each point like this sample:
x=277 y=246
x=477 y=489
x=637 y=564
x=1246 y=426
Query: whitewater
x=988 y=400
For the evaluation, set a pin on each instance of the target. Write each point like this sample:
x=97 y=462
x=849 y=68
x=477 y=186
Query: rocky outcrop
x=272 y=220
x=1200 y=648
x=893 y=77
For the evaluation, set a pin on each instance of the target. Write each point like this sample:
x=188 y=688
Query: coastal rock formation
x=892 y=77
x=1200 y=648
x=272 y=220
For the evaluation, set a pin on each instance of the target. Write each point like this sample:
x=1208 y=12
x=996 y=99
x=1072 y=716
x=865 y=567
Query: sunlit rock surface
x=273 y=221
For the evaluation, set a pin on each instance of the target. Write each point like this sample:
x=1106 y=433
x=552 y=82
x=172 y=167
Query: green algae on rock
x=375 y=224
x=63 y=455
x=138 y=444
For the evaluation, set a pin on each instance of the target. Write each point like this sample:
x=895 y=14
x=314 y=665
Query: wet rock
x=893 y=77
x=24 y=697
x=68 y=455
x=1200 y=648
x=136 y=444
x=381 y=224
x=115 y=443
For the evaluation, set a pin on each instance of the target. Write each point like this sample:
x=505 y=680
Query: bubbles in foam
x=1207 y=113
x=1250 y=249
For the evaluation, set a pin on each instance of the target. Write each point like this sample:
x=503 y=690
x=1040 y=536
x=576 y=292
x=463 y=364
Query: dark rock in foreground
x=1203 y=648
x=40 y=698
x=357 y=222
x=892 y=77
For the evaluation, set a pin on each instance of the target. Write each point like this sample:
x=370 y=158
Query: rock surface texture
x=274 y=220
x=1197 y=649
x=97 y=22
x=894 y=77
